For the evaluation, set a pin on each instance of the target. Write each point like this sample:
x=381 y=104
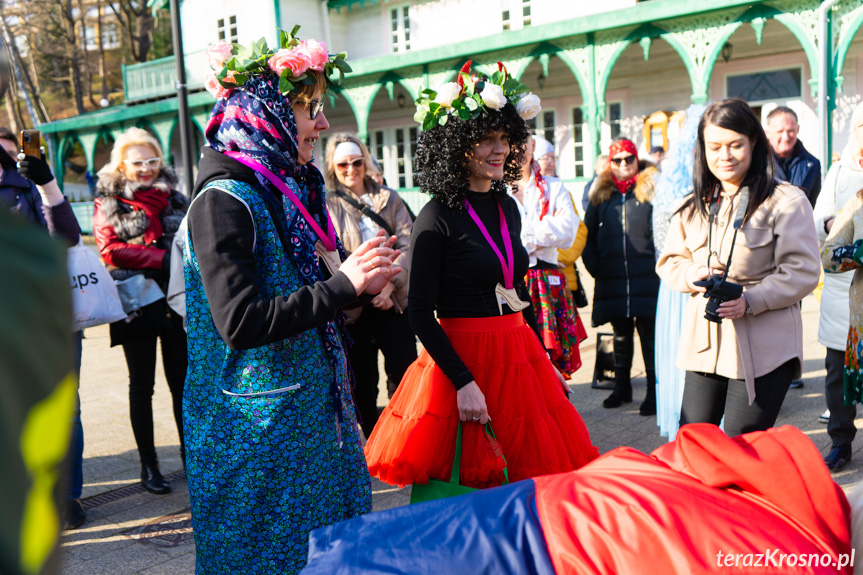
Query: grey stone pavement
x=129 y=531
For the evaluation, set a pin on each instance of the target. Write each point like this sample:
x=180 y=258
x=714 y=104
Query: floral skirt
x=557 y=316
x=538 y=430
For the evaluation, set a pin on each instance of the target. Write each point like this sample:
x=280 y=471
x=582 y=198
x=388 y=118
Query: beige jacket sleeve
x=676 y=263
x=798 y=265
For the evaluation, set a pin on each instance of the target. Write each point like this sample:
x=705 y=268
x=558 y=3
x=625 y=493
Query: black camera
x=718 y=290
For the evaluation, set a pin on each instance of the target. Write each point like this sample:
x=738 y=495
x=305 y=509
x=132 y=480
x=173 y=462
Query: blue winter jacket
x=800 y=169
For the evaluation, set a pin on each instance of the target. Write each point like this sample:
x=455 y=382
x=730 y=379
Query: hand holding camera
x=719 y=291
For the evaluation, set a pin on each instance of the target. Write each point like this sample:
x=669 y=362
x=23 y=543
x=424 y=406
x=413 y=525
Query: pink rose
x=297 y=60
x=215 y=88
x=219 y=53
x=317 y=53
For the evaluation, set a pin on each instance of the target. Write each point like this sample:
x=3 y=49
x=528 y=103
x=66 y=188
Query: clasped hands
x=370 y=267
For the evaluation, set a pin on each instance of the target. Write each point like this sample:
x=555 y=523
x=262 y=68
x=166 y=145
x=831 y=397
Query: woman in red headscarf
x=620 y=255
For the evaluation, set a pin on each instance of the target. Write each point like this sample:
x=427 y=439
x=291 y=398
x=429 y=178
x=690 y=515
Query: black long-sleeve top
x=222 y=232
x=454 y=272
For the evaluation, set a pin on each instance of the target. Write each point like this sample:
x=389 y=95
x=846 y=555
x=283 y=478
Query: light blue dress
x=673 y=186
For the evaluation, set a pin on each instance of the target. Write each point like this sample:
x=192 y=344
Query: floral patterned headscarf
x=258 y=121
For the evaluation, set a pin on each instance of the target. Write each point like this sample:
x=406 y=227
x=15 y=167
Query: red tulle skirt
x=538 y=430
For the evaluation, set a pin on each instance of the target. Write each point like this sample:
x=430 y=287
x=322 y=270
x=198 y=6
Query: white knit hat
x=542 y=147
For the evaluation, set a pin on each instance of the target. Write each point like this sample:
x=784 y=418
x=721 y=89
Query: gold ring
x=373 y=263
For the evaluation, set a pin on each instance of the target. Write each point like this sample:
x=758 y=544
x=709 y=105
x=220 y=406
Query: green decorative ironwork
x=360 y=97
x=850 y=21
x=88 y=144
x=699 y=40
x=758 y=27
x=163 y=126
x=516 y=61
x=645 y=47
x=801 y=18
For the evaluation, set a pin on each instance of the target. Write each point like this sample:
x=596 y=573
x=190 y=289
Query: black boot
x=152 y=480
x=622 y=367
x=649 y=405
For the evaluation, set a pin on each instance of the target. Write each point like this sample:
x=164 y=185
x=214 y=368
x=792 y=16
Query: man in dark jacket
x=794 y=164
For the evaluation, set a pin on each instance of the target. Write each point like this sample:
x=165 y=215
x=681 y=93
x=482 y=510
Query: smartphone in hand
x=31 y=143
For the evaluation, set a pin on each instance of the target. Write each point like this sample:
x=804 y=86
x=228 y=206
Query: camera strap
x=739 y=217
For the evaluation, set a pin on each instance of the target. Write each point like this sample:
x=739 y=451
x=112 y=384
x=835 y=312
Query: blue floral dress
x=273 y=448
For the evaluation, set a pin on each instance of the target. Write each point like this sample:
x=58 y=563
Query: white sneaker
x=825 y=417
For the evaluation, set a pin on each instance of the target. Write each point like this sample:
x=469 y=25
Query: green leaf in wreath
x=284 y=82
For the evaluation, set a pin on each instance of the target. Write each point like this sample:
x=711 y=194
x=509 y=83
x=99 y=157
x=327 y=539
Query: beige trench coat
x=776 y=259
x=392 y=209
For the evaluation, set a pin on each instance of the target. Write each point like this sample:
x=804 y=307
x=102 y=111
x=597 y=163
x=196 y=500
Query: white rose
x=447 y=93
x=492 y=96
x=528 y=106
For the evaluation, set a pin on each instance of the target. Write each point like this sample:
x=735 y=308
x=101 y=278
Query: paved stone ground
x=129 y=531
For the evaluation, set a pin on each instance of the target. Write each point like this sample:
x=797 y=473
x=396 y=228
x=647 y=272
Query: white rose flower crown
x=472 y=96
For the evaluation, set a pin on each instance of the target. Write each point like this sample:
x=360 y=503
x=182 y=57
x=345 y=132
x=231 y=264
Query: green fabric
x=35 y=357
x=437 y=489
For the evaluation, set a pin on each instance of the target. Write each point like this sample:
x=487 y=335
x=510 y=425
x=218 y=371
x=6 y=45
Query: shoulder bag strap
x=366 y=211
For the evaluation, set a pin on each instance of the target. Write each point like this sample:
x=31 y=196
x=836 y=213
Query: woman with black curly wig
x=484 y=361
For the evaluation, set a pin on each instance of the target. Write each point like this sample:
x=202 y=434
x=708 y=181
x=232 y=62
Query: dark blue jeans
x=76 y=444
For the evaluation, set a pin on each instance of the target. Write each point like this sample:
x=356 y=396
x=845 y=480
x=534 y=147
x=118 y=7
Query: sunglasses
x=149 y=163
x=315 y=108
x=625 y=160
x=355 y=164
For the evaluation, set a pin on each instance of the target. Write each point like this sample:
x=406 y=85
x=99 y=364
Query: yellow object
x=44 y=441
x=566 y=258
x=817 y=291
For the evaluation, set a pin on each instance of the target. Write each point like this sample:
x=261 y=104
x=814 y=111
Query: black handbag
x=578 y=295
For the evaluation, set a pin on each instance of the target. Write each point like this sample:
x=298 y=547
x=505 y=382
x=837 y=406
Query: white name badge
x=331 y=258
x=508 y=297
x=554 y=280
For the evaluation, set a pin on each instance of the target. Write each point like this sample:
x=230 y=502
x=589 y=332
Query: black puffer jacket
x=619 y=252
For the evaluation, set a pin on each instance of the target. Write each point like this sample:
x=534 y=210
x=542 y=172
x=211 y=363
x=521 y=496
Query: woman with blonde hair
x=360 y=208
x=136 y=216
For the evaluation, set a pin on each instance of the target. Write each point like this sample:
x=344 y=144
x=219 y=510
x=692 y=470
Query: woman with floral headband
x=484 y=361
x=272 y=444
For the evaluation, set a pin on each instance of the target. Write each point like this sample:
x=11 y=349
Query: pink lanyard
x=329 y=238
x=508 y=268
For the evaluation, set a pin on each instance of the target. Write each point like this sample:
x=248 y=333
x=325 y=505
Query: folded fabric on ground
x=761 y=502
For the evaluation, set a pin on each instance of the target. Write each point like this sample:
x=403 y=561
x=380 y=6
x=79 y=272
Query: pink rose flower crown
x=471 y=96
x=232 y=64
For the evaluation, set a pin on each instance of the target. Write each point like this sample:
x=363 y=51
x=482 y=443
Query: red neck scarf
x=613 y=150
x=153 y=202
x=624 y=186
x=542 y=185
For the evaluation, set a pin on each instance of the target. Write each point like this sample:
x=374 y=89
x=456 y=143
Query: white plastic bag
x=94 y=295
